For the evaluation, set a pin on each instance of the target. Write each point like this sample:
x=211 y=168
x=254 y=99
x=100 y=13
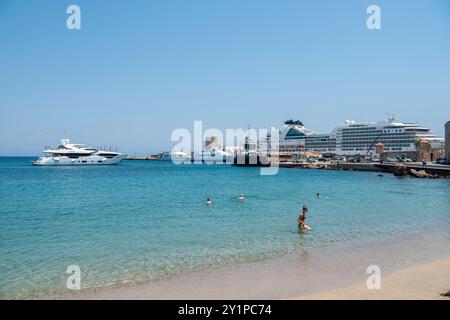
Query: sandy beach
x=421 y=282
x=411 y=268
x=425 y=281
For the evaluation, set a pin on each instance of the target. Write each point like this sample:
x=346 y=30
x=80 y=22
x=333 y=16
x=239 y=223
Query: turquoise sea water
x=144 y=220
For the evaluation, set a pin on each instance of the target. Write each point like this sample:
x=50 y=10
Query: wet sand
x=423 y=282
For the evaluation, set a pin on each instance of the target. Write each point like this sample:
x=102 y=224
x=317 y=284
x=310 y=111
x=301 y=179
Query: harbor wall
x=431 y=155
x=357 y=166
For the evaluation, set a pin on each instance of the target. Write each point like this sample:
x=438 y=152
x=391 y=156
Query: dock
x=140 y=158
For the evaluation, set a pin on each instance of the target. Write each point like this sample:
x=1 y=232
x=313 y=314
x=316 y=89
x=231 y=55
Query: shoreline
x=309 y=273
x=421 y=282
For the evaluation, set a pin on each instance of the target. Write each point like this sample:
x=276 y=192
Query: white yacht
x=68 y=154
x=175 y=156
x=213 y=155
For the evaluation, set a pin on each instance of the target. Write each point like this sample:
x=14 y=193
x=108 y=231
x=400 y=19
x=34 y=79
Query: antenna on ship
x=64 y=139
x=391 y=118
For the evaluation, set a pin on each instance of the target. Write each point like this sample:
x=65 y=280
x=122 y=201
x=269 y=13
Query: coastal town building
x=447 y=139
x=211 y=143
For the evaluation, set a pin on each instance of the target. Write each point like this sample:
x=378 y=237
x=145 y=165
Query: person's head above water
x=305 y=207
x=241 y=196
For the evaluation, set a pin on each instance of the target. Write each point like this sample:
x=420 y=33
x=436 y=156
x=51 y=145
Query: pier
x=140 y=158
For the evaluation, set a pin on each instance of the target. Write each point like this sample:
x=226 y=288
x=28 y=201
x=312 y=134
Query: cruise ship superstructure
x=67 y=154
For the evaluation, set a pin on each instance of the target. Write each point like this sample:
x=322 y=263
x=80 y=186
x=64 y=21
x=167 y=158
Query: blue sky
x=139 y=69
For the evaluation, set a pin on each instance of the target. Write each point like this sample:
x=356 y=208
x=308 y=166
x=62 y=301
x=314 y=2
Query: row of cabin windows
x=79 y=155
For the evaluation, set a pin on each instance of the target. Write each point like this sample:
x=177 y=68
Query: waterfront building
x=212 y=143
x=379 y=148
x=447 y=139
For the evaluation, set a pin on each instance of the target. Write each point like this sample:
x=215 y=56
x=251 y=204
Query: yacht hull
x=82 y=161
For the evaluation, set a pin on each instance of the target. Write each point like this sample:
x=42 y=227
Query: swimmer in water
x=241 y=197
x=208 y=201
x=301 y=220
x=318 y=195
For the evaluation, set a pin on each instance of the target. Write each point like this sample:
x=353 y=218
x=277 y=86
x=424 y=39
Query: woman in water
x=208 y=201
x=241 y=197
x=302 y=218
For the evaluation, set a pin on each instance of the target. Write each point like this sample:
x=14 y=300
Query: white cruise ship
x=295 y=137
x=68 y=154
x=360 y=138
x=355 y=138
